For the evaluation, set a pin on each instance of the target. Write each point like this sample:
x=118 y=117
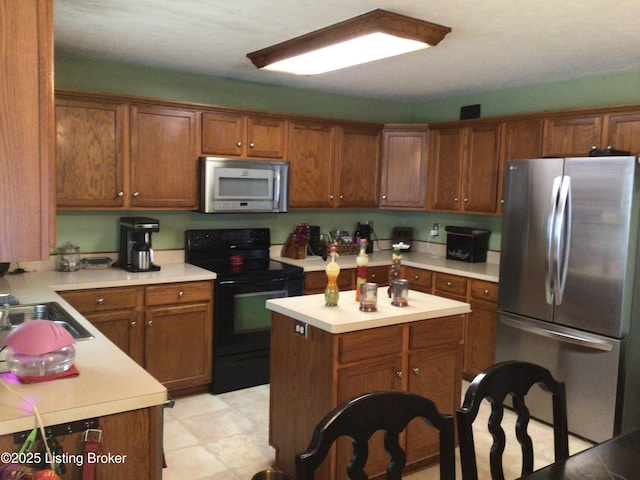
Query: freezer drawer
x=588 y=364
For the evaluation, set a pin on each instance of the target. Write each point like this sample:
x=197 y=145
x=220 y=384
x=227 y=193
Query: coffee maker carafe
x=136 y=252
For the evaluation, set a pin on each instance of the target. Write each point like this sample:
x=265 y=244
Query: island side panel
x=301 y=387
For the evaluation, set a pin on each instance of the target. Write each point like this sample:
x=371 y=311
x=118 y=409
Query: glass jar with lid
x=68 y=258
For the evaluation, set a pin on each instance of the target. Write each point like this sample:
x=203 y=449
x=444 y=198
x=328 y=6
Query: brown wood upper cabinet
x=27 y=151
x=333 y=166
x=404 y=167
x=464 y=168
x=115 y=155
x=237 y=135
x=575 y=134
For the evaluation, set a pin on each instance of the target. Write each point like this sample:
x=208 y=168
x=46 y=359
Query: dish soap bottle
x=362 y=261
x=331 y=293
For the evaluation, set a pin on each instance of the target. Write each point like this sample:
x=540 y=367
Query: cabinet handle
x=136 y=194
x=416 y=277
x=341 y=197
x=455 y=199
x=239 y=144
x=149 y=323
x=180 y=294
x=485 y=292
x=384 y=197
x=251 y=145
x=416 y=370
x=330 y=197
x=133 y=324
x=448 y=284
x=99 y=300
x=399 y=374
x=466 y=200
x=120 y=194
x=373 y=276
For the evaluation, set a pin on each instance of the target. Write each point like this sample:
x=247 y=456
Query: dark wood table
x=615 y=459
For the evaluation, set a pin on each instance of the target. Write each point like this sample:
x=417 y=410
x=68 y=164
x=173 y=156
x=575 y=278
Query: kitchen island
x=321 y=356
x=112 y=388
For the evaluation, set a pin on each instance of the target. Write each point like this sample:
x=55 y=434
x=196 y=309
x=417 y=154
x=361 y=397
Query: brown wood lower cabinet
x=480 y=324
x=166 y=328
x=312 y=375
x=316 y=282
x=136 y=435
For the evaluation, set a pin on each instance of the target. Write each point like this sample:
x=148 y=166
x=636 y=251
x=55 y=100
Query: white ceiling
x=494 y=44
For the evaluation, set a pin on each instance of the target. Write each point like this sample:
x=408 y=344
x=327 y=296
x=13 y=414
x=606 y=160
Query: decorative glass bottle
x=331 y=293
x=394 y=271
x=362 y=261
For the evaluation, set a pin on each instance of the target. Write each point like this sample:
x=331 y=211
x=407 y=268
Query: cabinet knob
x=466 y=200
x=239 y=144
x=99 y=300
x=251 y=145
x=120 y=194
x=150 y=323
x=372 y=276
x=399 y=374
x=416 y=277
x=448 y=284
x=133 y=324
x=455 y=199
x=416 y=370
x=136 y=194
x=384 y=197
x=180 y=294
x=341 y=197
x=330 y=197
x=485 y=292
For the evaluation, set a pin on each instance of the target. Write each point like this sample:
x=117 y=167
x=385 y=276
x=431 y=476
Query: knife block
x=291 y=249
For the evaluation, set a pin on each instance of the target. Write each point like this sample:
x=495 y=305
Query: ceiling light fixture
x=372 y=36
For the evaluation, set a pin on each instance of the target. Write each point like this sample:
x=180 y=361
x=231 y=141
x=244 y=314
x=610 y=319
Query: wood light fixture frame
x=376 y=21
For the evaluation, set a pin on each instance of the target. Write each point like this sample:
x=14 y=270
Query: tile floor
x=216 y=437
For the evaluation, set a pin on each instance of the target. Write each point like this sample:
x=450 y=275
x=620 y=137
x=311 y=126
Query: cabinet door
x=624 y=132
x=571 y=136
x=522 y=139
x=27 y=150
x=479 y=338
x=446 y=151
x=481 y=169
x=404 y=169
x=124 y=329
x=178 y=344
x=312 y=163
x=163 y=157
x=358 y=175
x=266 y=137
x=381 y=374
x=89 y=153
x=434 y=373
x=223 y=134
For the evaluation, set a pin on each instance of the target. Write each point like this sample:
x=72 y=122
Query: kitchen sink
x=48 y=311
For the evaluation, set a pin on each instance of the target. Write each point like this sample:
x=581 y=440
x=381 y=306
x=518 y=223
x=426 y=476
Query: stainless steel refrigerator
x=570 y=285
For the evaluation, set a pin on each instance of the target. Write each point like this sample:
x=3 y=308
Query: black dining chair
x=360 y=417
x=495 y=383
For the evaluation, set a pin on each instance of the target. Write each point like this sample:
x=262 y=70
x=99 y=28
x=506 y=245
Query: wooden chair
x=360 y=417
x=495 y=383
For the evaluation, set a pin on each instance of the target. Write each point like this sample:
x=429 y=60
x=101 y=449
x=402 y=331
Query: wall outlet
x=301 y=328
x=435 y=231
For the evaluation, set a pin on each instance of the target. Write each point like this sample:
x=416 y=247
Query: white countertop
x=480 y=271
x=347 y=317
x=109 y=381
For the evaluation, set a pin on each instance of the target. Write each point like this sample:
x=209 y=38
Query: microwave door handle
x=551 y=241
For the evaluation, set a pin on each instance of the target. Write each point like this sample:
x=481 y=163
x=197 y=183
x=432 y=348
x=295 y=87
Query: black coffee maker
x=136 y=252
x=365 y=230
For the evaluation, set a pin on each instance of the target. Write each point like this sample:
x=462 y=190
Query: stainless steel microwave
x=230 y=185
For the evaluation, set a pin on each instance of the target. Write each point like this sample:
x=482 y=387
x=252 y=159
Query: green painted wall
x=98 y=231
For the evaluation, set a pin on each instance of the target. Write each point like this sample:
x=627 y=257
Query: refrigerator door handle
x=563 y=239
x=550 y=268
x=563 y=336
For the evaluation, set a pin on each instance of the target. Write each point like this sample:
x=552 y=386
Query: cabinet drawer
x=103 y=299
x=451 y=284
x=378 y=274
x=437 y=331
x=370 y=343
x=481 y=290
x=419 y=279
x=173 y=293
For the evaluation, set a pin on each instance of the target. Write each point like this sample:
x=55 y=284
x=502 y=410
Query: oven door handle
x=223 y=283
